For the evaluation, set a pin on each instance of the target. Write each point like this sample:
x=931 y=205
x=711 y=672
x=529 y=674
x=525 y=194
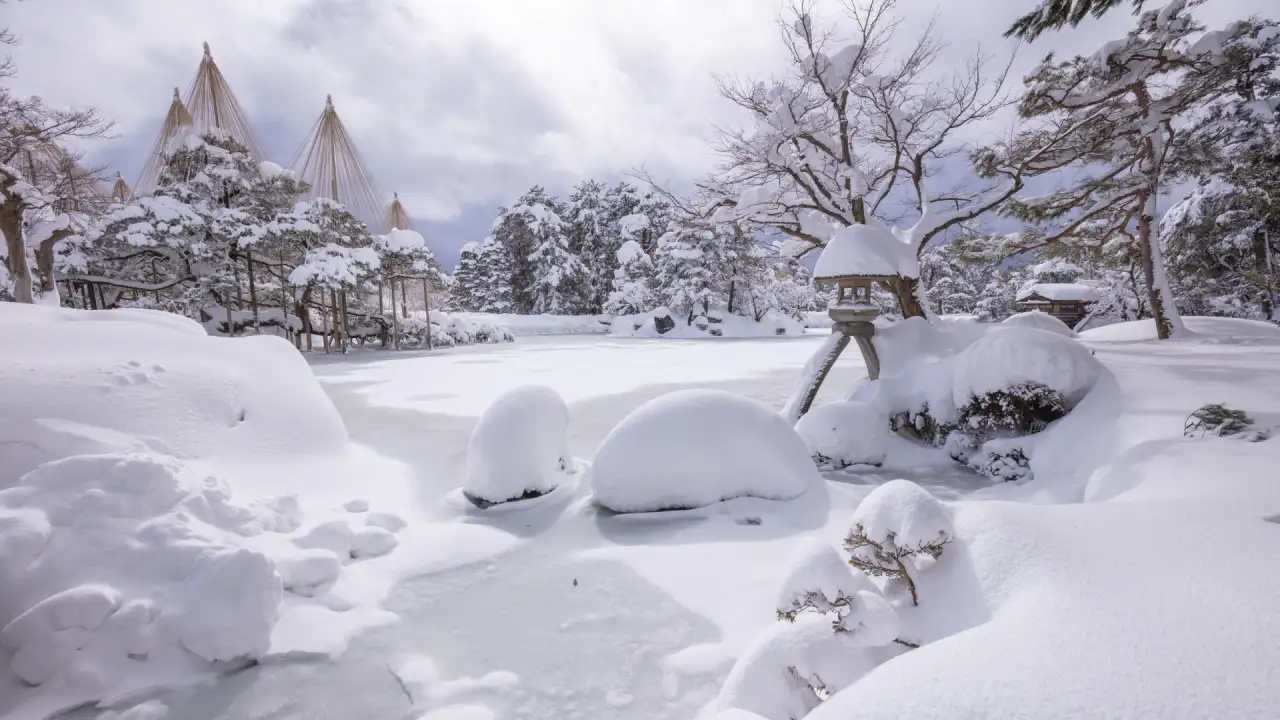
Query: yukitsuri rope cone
x=120 y=191
x=399 y=216
x=329 y=161
x=214 y=108
x=175 y=130
x=210 y=108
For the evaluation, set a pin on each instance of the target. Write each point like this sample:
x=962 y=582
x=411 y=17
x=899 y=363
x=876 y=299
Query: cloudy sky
x=460 y=105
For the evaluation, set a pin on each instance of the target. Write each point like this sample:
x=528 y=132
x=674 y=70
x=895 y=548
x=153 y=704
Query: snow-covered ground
x=1150 y=600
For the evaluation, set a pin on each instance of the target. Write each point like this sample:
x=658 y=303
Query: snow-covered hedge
x=693 y=448
x=448 y=330
x=661 y=323
x=962 y=385
x=840 y=434
x=519 y=447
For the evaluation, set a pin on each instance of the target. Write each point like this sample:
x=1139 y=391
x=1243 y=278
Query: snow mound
x=866 y=250
x=527 y=325
x=112 y=563
x=903 y=512
x=817 y=568
x=153 y=377
x=519 y=447
x=693 y=448
x=772 y=677
x=1039 y=321
x=845 y=433
x=660 y=323
x=1010 y=356
x=1214 y=327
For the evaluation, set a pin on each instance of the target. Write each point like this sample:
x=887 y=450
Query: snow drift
x=74 y=378
x=693 y=448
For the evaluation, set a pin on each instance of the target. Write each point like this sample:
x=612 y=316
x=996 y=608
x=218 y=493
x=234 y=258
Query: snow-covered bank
x=528 y=325
x=661 y=323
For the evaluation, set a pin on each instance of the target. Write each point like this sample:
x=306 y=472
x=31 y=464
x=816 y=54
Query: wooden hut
x=1069 y=302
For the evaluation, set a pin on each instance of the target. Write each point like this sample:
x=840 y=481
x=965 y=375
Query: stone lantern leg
x=850 y=321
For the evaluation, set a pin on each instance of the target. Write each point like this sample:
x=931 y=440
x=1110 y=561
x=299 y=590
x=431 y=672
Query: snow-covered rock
x=693 y=448
x=306 y=570
x=661 y=323
x=1006 y=357
x=1040 y=321
x=845 y=433
x=518 y=448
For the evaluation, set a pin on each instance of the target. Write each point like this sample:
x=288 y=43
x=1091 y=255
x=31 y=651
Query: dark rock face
x=664 y=324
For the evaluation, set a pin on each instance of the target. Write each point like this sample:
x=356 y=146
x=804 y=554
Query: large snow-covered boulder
x=519 y=447
x=1007 y=357
x=693 y=448
x=844 y=433
x=1040 y=321
x=77 y=381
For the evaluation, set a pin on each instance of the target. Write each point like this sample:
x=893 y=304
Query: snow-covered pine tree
x=685 y=279
x=532 y=234
x=468 y=286
x=185 y=241
x=1131 y=109
x=742 y=273
x=592 y=241
x=493 y=278
x=1221 y=240
x=633 y=282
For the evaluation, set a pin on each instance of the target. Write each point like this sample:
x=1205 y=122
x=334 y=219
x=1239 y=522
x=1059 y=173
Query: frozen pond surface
x=586 y=611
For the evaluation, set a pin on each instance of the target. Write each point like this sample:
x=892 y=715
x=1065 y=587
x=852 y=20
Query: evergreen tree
x=468 y=280
x=633 y=282
x=519 y=231
x=685 y=278
x=594 y=243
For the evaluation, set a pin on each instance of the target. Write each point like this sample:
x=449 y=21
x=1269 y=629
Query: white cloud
x=461 y=104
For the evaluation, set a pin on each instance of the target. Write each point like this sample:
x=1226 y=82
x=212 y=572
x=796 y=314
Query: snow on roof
x=865 y=250
x=1078 y=292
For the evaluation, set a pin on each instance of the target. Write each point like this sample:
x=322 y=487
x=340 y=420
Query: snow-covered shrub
x=1040 y=321
x=1007 y=357
x=1216 y=419
x=1022 y=409
x=518 y=449
x=1001 y=459
x=692 y=448
x=449 y=331
x=840 y=434
x=821 y=582
x=898 y=529
x=793 y=667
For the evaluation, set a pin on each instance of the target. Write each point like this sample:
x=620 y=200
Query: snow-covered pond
x=583 y=616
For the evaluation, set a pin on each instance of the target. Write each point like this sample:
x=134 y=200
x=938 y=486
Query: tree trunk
x=19 y=270
x=404 y=302
x=44 y=261
x=1168 y=322
x=1262 y=264
x=395 y=327
x=346 y=322
x=426 y=311
x=253 y=293
x=904 y=288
